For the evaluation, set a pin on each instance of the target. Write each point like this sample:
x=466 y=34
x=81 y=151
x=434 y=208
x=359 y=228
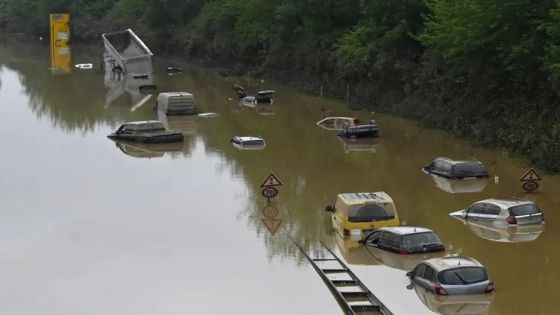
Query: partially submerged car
x=452 y=275
x=248 y=143
x=360 y=131
x=362 y=212
x=460 y=169
x=502 y=212
x=149 y=131
x=177 y=103
x=337 y=123
x=405 y=240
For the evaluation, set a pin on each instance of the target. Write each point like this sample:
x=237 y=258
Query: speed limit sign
x=269 y=192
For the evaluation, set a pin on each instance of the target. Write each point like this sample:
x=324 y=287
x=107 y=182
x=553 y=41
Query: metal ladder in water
x=351 y=294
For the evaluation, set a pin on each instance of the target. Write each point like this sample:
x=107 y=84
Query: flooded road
x=91 y=226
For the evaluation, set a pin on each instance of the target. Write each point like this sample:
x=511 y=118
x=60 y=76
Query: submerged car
x=452 y=275
x=337 y=123
x=248 y=143
x=502 y=212
x=405 y=240
x=360 y=131
x=463 y=169
x=362 y=212
x=149 y=131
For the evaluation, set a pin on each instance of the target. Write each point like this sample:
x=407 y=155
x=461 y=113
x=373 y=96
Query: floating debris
x=84 y=66
x=208 y=115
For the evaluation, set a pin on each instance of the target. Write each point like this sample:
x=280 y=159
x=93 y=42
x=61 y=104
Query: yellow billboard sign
x=60 y=36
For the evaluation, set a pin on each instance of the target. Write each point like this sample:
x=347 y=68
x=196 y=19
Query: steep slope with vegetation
x=488 y=70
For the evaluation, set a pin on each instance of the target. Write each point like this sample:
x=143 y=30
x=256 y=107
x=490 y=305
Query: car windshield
x=370 y=212
x=420 y=241
x=463 y=275
x=469 y=169
x=524 y=209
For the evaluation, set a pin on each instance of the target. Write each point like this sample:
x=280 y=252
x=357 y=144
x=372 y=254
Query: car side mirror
x=410 y=274
x=330 y=208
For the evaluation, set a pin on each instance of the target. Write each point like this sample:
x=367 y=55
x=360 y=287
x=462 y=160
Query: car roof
x=248 y=138
x=454 y=162
x=450 y=262
x=506 y=202
x=364 y=197
x=142 y=122
x=405 y=230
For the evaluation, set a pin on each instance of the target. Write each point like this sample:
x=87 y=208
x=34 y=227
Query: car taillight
x=511 y=220
x=439 y=290
x=489 y=287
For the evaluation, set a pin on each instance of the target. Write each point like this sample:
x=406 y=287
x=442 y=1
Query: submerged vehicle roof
x=449 y=262
x=142 y=122
x=507 y=202
x=248 y=138
x=174 y=94
x=365 y=197
x=455 y=162
x=405 y=230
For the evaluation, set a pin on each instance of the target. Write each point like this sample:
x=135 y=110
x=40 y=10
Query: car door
x=475 y=212
x=418 y=276
x=386 y=241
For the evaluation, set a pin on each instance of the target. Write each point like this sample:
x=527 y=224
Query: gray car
x=452 y=275
x=502 y=212
x=405 y=240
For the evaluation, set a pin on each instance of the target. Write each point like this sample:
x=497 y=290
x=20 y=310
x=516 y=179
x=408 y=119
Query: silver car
x=502 y=212
x=452 y=275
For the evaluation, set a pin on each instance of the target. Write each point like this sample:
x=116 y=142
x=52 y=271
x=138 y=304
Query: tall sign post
x=60 y=36
x=270 y=212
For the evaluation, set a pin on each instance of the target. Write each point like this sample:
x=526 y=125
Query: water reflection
x=504 y=234
x=128 y=90
x=180 y=123
x=359 y=144
x=224 y=183
x=148 y=150
x=460 y=186
x=398 y=261
x=353 y=252
x=473 y=304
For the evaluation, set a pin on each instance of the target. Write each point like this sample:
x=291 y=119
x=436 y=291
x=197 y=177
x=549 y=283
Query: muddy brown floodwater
x=89 y=226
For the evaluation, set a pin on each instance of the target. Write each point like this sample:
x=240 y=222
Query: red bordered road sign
x=530 y=176
x=271 y=181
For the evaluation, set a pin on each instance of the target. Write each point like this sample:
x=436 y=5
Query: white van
x=177 y=103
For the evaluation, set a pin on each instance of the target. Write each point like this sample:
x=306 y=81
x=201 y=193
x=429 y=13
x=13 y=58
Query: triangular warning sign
x=271 y=181
x=530 y=176
x=272 y=224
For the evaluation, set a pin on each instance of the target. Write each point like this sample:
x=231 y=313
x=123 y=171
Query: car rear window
x=370 y=212
x=464 y=275
x=524 y=209
x=469 y=169
x=420 y=240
